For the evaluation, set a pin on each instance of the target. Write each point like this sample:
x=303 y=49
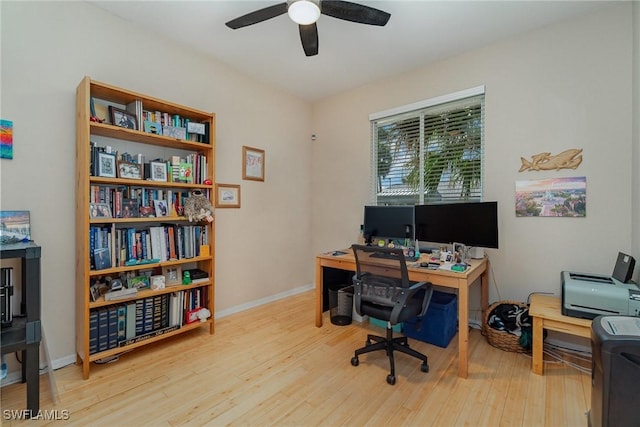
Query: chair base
x=390 y=344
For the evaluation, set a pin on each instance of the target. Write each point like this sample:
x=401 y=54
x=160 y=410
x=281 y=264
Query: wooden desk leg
x=463 y=331
x=537 y=362
x=319 y=286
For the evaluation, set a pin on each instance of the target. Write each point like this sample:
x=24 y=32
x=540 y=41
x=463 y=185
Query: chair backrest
x=380 y=261
x=381 y=275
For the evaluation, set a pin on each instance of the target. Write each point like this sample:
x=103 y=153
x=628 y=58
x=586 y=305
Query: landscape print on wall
x=565 y=197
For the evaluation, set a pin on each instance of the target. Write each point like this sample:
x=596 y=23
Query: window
x=429 y=152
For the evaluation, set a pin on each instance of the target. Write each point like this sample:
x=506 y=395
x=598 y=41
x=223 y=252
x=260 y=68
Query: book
x=113 y=326
x=93 y=331
x=101 y=258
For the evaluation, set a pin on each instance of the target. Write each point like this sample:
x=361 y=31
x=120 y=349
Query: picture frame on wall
x=122 y=118
x=107 y=165
x=227 y=195
x=252 y=163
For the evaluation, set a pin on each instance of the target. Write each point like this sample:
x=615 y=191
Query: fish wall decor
x=569 y=159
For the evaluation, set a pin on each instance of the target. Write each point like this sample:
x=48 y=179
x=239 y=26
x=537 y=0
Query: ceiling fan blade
x=258 y=16
x=309 y=39
x=354 y=12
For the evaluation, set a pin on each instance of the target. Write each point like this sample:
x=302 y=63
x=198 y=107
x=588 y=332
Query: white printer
x=590 y=295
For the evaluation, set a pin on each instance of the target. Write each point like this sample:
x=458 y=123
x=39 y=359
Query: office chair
x=382 y=290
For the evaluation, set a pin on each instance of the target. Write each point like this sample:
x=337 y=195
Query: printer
x=590 y=295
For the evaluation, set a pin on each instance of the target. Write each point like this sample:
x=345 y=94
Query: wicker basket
x=502 y=339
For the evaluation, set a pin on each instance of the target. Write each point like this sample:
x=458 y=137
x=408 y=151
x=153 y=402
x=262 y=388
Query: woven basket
x=502 y=339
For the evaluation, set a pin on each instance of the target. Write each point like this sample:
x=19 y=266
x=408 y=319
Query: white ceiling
x=350 y=54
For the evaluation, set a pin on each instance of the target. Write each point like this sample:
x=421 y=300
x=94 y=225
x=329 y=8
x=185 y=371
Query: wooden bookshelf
x=148 y=145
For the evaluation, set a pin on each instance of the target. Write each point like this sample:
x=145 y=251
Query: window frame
x=418 y=111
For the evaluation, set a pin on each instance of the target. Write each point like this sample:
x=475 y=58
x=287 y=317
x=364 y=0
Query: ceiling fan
x=306 y=12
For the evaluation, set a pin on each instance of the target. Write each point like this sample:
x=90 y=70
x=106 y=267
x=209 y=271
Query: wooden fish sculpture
x=569 y=159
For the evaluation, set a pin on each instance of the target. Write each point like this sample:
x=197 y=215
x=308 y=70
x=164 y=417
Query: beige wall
x=47 y=48
x=564 y=86
x=636 y=133
x=561 y=87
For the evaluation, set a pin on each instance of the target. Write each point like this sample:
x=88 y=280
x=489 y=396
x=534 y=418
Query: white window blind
x=429 y=152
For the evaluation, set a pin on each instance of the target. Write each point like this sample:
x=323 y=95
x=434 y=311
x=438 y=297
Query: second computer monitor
x=391 y=222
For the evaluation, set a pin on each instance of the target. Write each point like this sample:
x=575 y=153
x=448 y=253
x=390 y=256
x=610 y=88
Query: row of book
x=110 y=246
x=157 y=122
x=191 y=169
x=137 y=202
x=123 y=324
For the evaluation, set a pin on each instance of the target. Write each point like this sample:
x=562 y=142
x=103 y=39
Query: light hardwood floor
x=270 y=366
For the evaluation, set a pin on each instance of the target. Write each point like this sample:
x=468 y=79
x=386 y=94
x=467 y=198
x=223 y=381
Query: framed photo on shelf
x=157 y=282
x=152 y=127
x=227 y=196
x=252 y=163
x=172 y=275
x=130 y=208
x=123 y=118
x=99 y=210
x=129 y=170
x=147 y=212
x=138 y=282
x=107 y=165
x=161 y=208
x=158 y=171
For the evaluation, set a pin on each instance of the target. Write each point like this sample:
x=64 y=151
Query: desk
x=547 y=314
x=448 y=279
x=24 y=334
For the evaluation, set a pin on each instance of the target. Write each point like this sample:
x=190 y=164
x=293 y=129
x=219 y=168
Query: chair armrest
x=408 y=294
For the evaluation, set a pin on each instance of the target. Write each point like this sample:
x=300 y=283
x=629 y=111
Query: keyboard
x=384 y=255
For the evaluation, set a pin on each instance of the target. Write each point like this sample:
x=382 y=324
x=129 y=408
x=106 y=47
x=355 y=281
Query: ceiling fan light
x=304 y=12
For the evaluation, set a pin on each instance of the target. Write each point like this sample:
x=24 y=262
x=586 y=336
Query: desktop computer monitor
x=391 y=222
x=474 y=224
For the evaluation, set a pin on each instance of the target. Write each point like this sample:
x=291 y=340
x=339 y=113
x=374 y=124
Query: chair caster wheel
x=424 y=367
x=355 y=361
x=391 y=379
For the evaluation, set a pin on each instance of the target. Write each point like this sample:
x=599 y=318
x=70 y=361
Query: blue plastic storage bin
x=439 y=324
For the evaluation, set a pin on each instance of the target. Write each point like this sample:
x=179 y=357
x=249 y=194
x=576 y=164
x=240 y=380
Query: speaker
x=624 y=267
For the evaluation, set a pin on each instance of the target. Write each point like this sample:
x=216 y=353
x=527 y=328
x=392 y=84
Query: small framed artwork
x=172 y=275
x=227 y=196
x=129 y=170
x=130 y=208
x=147 y=211
x=152 y=127
x=138 y=282
x=107 y=165
x=99 y=210
x=15 y=226
x=157 y=282
x=161 y=208
x=158 y=171
x=252 y=164
x=123 y=118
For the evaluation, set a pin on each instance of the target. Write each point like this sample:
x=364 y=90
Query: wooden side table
x=547 y=314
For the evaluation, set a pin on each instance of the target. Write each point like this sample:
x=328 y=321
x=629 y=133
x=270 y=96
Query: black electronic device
x=6 y=295
x=623 y=269
x=474 y=224
x=395 y=222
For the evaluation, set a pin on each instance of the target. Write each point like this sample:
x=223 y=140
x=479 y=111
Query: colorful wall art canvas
x=6 y=139
x=15 y=226
x=566 y=197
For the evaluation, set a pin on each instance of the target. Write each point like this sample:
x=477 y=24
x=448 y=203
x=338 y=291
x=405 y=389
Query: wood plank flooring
x=270 y=366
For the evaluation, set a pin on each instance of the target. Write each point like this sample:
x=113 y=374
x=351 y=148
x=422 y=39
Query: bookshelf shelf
x=106 y=244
